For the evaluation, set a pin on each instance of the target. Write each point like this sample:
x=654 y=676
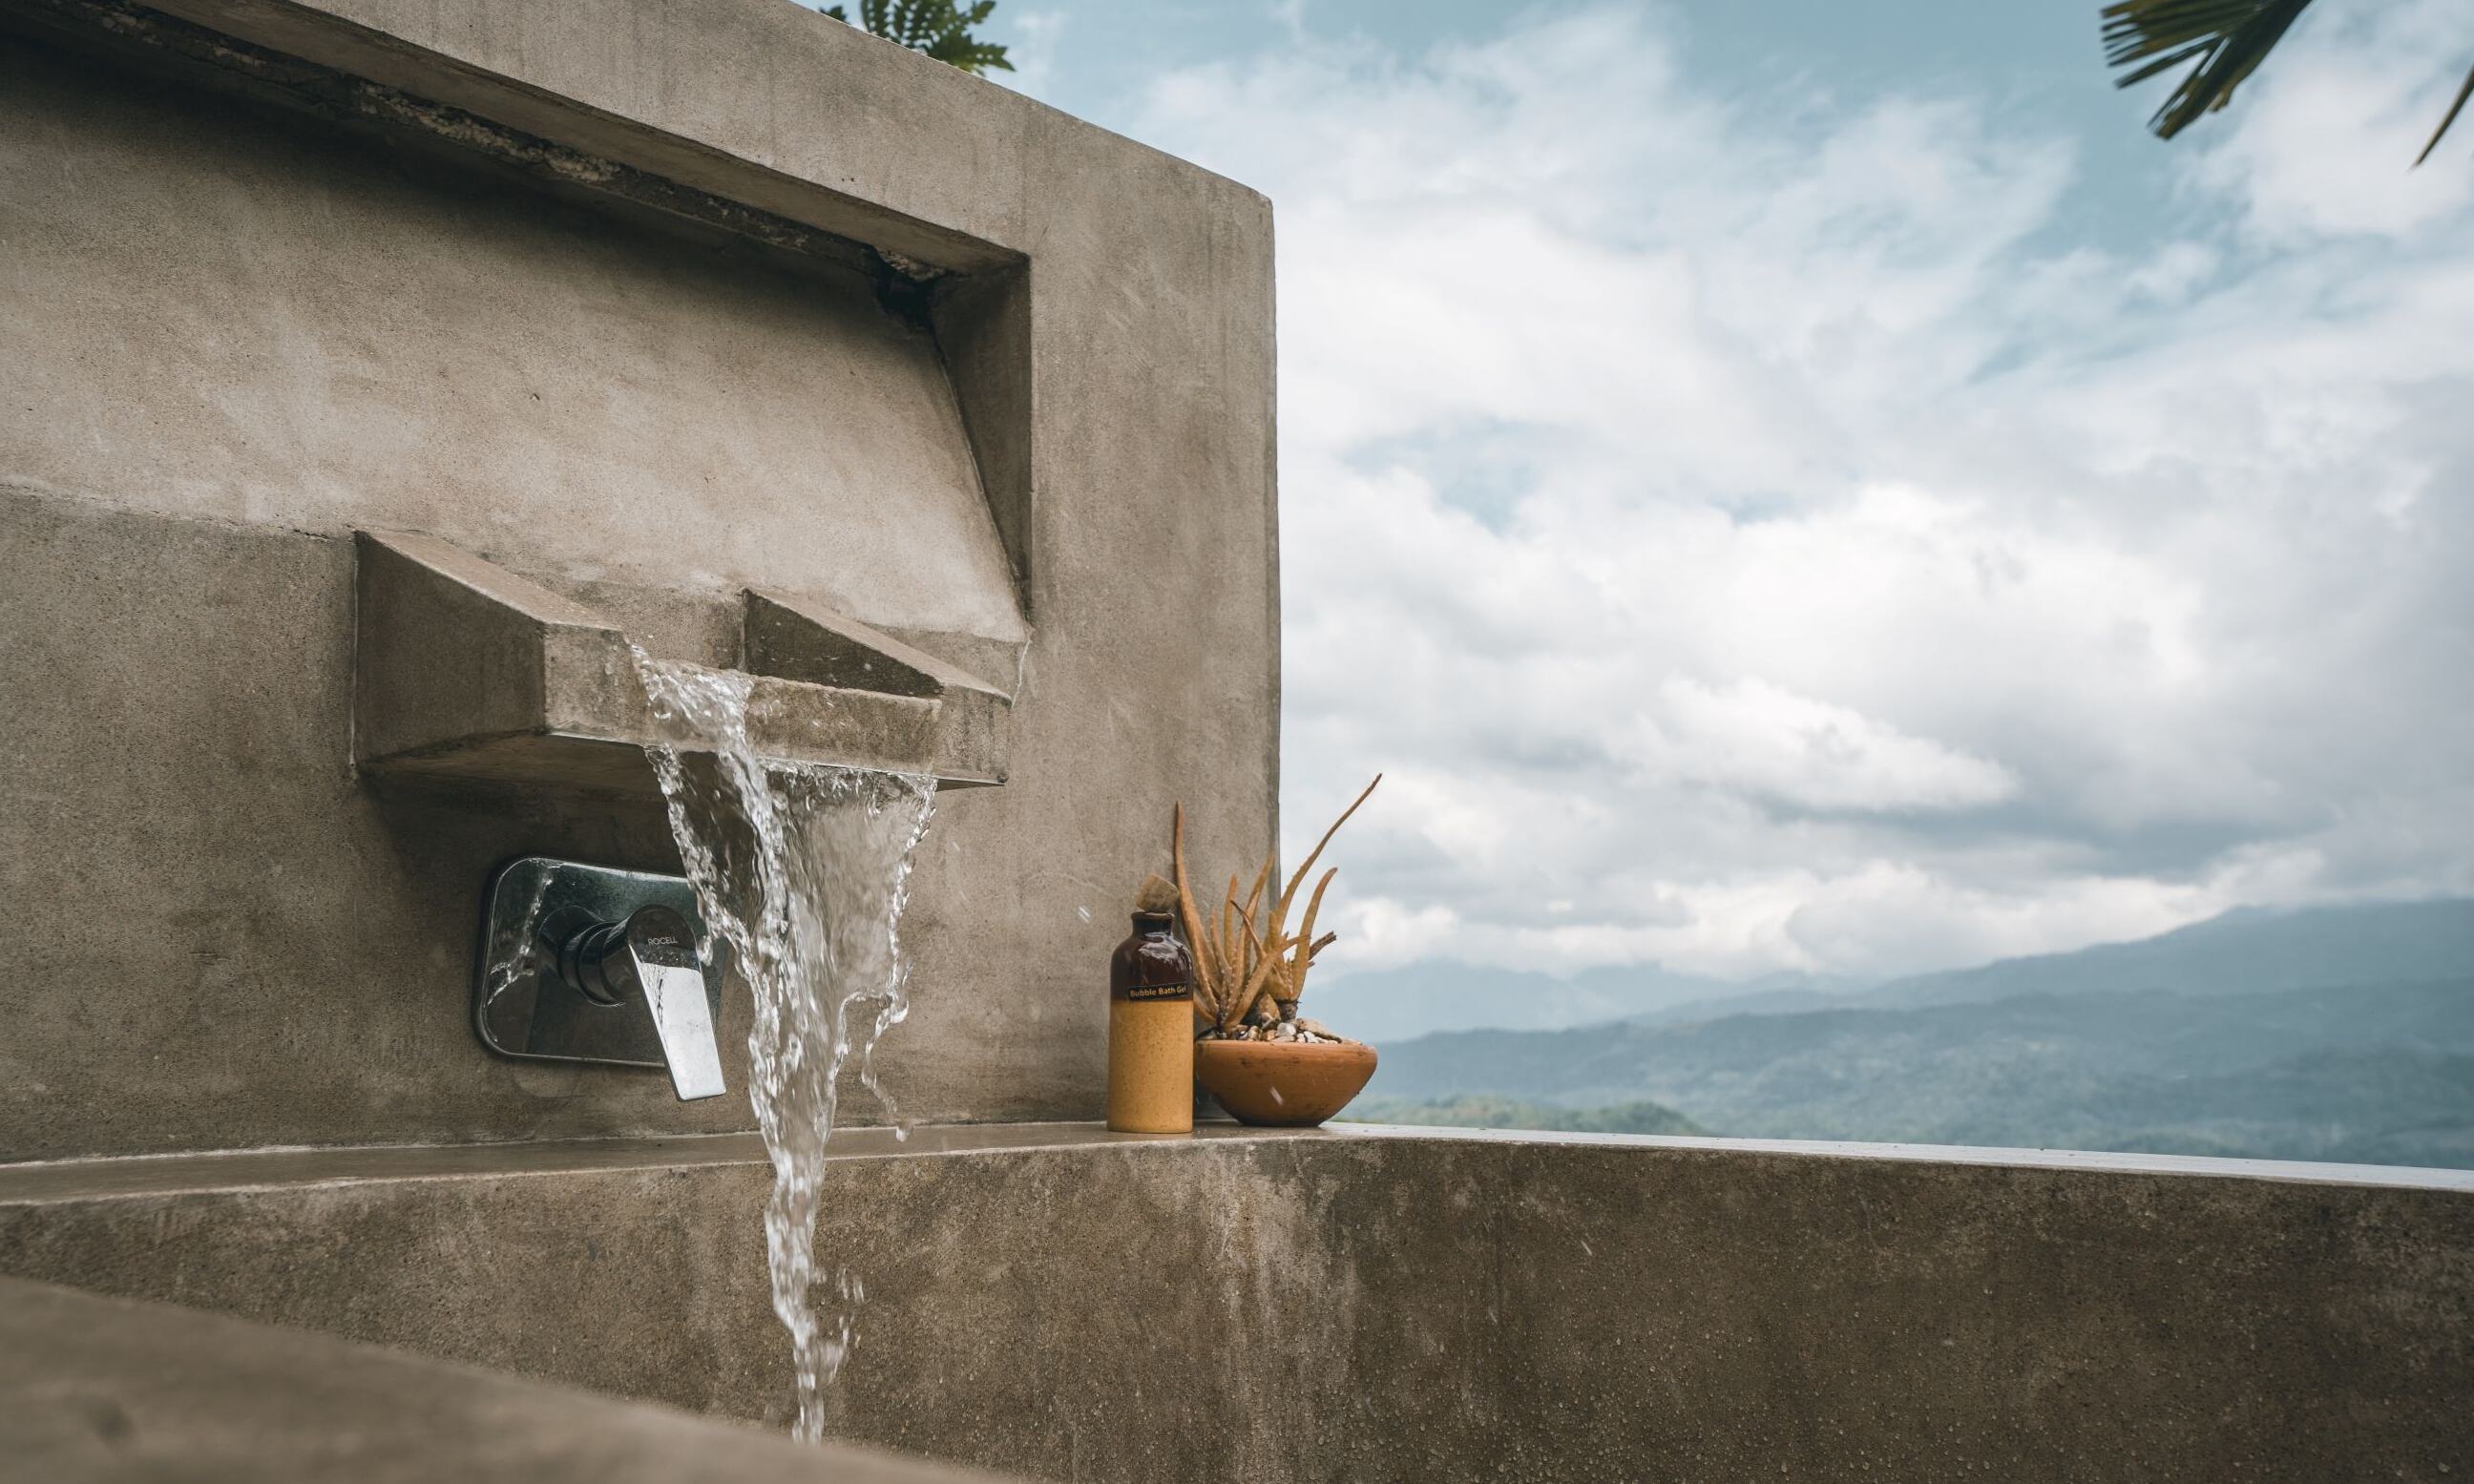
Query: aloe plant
x=1246 y=966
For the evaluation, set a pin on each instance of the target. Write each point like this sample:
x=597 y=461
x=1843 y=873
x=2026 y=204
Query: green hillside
x=2373 y=1073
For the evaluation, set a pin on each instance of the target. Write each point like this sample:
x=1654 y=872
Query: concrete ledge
x=1382 y=1304
x=698 y=95
x=49 y=1181
x=2090 y=1160
x=98 y=1389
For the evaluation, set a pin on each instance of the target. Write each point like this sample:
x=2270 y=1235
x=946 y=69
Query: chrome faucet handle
x=650 y=959
x=599 y=966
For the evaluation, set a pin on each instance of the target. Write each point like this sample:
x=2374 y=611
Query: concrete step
x=95 y=1390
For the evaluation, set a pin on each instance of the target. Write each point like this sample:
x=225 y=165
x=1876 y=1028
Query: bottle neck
x=1153 y=922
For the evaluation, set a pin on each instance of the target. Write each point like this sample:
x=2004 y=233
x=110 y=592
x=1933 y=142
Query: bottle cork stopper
x=1158 y=894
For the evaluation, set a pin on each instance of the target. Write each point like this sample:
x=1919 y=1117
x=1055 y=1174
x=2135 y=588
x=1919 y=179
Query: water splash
x=803 y=869
x=509 y=950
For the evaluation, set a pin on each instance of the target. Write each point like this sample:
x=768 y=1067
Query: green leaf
x=2226 y=40
x=2454 y=109
x=936 y=28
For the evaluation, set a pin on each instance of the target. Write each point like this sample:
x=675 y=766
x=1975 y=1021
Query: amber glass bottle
x=1150 y=1030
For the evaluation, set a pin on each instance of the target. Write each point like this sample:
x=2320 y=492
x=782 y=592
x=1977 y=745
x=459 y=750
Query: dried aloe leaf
x=1281 y=912
x=1306 y=935
x=1206 y=979
x=1263 y=963
x=1254 y=898
x=1229 y=955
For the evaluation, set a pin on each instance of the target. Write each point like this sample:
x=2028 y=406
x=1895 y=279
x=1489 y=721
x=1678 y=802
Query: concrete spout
x=464 y=670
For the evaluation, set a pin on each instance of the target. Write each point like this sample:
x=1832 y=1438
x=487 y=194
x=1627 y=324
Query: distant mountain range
x=2245 y=951
x=1388 y=1005
x=2241 y=952
x=2342 y=1033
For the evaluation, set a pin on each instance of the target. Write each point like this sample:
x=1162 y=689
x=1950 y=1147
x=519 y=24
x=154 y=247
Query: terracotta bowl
x=1282 y=1084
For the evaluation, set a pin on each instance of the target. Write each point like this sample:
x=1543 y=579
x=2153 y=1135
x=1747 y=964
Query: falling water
x=804 y=870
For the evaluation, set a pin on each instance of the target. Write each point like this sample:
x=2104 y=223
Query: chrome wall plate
x=524 y=1006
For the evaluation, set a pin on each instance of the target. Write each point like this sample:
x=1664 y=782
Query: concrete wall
x=1352 y=1306
x=593 y=291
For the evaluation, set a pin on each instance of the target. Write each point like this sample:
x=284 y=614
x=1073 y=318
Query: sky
x=1800 y=486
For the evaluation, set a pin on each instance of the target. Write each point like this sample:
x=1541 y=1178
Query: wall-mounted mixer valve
x=587 y=964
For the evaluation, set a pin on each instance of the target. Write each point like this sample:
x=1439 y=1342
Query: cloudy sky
x=1793 y=485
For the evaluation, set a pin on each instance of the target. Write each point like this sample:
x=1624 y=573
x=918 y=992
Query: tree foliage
x=938 y=28
x=2224 y=41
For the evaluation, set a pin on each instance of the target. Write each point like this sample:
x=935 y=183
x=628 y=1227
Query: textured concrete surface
x=95 y=1390
x=241 y=332
x=1359 y=1305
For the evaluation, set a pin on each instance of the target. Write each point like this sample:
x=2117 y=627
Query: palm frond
x=2225 y=41
x=2464 y=91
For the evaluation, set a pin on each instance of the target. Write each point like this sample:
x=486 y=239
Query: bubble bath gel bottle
x=1151 y=1022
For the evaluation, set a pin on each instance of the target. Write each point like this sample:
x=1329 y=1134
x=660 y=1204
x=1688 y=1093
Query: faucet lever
x=650 y=959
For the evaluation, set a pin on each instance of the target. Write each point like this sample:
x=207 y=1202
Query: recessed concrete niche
x=463 y=670
x=378 y=373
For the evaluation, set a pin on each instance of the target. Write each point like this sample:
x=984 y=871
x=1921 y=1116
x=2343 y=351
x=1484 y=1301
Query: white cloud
x=2321 y=138
x=1772 y=742
x=1758 y=540
x=1033 y=51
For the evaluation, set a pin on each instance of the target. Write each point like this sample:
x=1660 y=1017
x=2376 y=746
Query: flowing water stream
x=804 y=870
